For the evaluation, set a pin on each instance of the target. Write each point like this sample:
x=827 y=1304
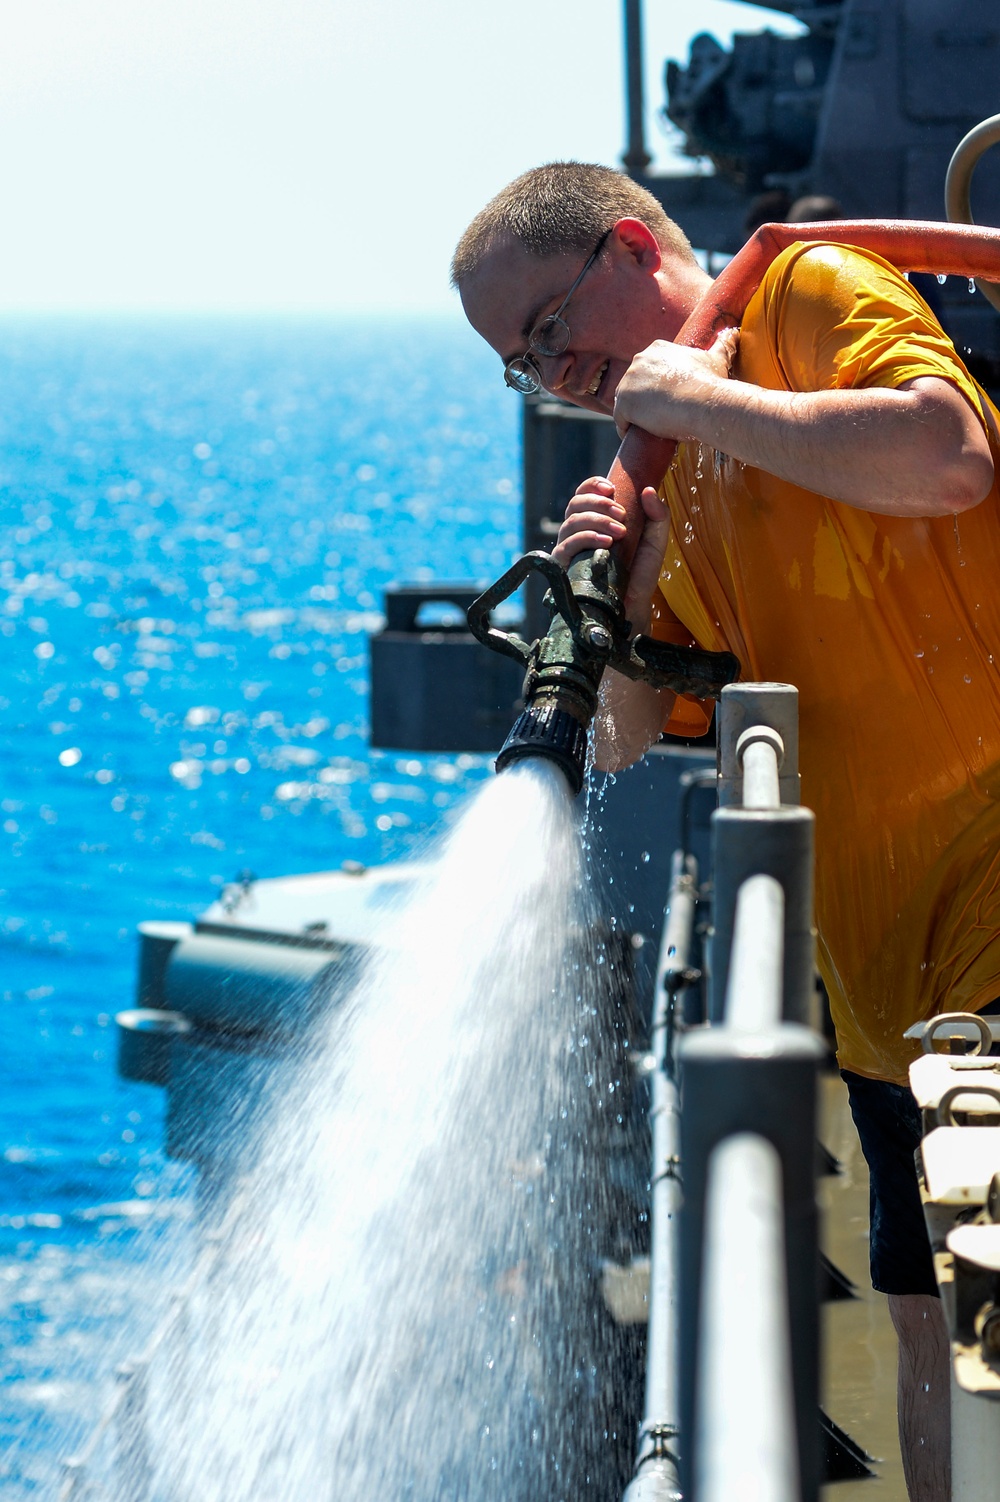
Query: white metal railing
x=754 y=999
x=745 y=1446
x=732 y=1356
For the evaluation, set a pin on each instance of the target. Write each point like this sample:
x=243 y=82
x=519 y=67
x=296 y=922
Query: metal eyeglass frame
x=549 y=337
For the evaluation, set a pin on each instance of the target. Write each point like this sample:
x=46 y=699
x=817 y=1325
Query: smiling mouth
x=598 y=378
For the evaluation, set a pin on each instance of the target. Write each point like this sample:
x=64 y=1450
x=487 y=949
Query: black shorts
x=888 y=1121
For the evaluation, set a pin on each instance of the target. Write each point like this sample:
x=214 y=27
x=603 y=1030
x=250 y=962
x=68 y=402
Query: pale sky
x=295 y=155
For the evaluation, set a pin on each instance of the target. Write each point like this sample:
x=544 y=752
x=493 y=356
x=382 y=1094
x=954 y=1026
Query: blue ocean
x=198 y=522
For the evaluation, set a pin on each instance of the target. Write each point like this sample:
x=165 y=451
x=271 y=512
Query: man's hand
x=594 y=519
x=668 y=386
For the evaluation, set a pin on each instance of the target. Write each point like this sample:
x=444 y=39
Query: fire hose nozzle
x=588 y=634
x=557 y=735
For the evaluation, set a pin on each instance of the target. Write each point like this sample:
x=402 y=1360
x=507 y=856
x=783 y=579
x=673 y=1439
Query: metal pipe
x=656 y=1472
x=754 y=996
x=636 y=158
x=760 y=752
x=958 y=185
x=745 y=1444
x=759 y=831
x=746 y=711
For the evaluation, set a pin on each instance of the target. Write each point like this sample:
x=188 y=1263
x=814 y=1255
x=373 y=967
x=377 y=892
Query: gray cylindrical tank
x=157 y=941
x=248 y=986
x=144 y=1038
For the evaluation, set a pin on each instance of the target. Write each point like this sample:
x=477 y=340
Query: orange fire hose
x=965 y=250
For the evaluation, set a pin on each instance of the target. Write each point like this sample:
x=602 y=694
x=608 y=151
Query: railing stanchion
x=745 y=1447
x=656 y=1475
x=749 y=1091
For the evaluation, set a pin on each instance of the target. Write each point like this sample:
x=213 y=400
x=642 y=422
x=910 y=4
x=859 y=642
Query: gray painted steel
x=745 y=1445
x=220 y=1090
x=778 y=843
x=144 y=1041
x=763 y=1083
x=754 y=996
x=657 y=1472
x=243 y=985
x=157 y=941
x=744 y=707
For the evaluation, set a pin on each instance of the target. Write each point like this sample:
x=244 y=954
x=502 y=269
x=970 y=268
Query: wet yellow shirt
x=889 y=627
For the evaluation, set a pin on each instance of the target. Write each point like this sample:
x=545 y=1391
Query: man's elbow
x=950 y=458
x=966 y=482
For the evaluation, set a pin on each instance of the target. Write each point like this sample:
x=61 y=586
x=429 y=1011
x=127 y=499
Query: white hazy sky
x=269 y=155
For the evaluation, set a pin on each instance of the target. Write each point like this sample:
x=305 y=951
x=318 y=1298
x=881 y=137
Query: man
x=832 y=518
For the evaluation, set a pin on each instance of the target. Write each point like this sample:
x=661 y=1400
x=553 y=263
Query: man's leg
x=923 y=1395
x=888 y=1123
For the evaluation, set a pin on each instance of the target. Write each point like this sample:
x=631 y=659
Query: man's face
x=626 y=300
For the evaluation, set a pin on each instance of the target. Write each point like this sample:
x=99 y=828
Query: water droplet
x=645 y=857
x=967 y=678
x=906 y=276
x=941 y=278
x=919 y=654
x=972 y=288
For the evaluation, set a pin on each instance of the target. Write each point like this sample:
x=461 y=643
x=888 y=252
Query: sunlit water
x=404 y=1307
x=197 y=522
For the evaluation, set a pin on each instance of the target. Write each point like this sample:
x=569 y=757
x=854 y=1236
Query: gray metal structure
x=866 y=107
x=751 y=1080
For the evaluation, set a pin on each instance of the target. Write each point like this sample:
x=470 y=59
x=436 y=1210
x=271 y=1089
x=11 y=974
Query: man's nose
x=555 y=370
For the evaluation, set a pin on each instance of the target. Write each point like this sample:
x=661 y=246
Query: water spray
x=589 y=631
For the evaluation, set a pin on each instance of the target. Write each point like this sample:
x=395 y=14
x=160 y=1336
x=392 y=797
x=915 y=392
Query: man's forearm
x=898 y=452
x=628 y=721
x=916 y=450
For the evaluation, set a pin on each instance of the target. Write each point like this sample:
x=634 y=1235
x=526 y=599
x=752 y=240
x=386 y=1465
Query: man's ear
x=633 y=239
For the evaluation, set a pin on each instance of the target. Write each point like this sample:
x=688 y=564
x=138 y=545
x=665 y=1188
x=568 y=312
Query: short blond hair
x=562 y=206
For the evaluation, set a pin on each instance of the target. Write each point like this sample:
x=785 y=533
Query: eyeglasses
x=549 y=337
